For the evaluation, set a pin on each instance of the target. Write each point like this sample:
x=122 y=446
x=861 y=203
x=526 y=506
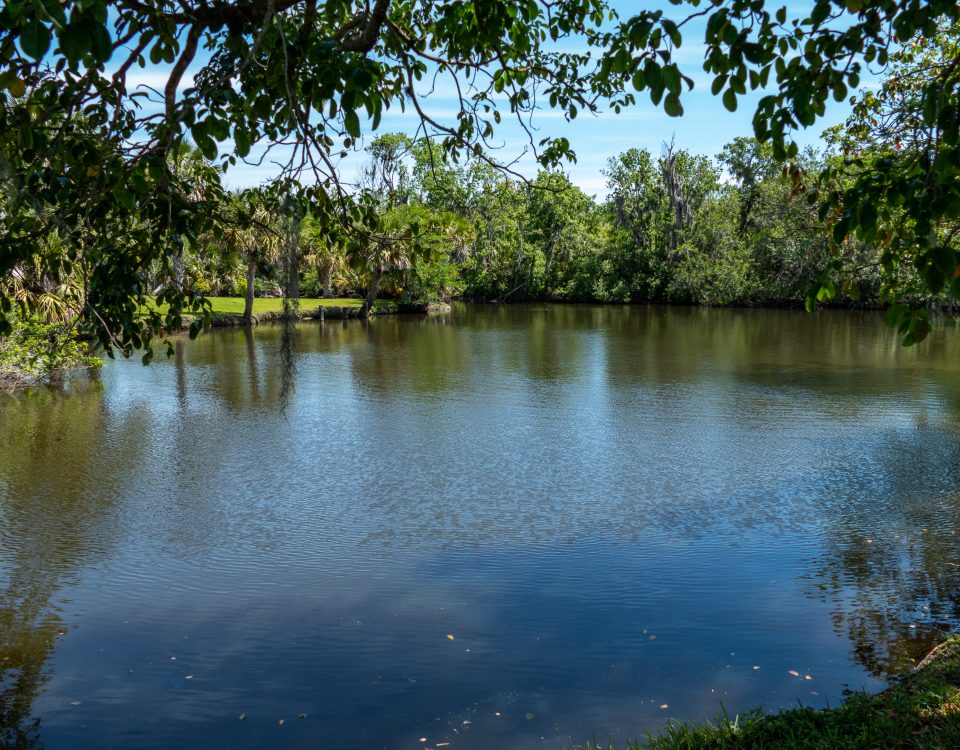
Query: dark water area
x=610 y=510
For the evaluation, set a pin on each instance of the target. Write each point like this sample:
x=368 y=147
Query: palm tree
x=323 y=252
x=249 y=232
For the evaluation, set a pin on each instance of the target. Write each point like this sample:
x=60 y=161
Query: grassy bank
x=921 y=711
x=230 y=309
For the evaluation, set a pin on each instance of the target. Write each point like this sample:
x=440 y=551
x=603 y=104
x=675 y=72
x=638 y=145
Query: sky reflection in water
x=610 y=509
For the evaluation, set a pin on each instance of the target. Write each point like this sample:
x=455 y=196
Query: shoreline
x=919 y=710
x=320 y=313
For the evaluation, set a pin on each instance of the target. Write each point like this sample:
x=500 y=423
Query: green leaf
x=672 y=106
x=102 y=44
x=35 y=40
x=840 y=230
x=944 y=258
x=207 y=146
x=820 y=11
x=17 y=87
x=352 y=123
x=54 y=10
x=826 y=292
x=242 y=143
x=74 y=41
x=730 y=100
x=936 y=279
x=653 y=74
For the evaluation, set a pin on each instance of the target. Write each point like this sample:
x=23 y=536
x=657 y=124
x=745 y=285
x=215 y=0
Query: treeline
x=675 y=227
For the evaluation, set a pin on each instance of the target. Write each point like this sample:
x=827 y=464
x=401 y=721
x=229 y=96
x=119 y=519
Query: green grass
x=265 y=305
x=922 y=712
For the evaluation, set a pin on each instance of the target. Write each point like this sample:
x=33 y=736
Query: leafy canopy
x=85 y=157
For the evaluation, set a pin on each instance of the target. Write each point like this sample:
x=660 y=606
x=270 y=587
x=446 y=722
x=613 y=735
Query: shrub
x=432 y=282
x=36 y=352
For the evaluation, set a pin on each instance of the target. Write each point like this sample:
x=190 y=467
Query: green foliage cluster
x=676 y=227
x=101 y=172
x=36 y=351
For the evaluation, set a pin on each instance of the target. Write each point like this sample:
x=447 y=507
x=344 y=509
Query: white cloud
x=154 y=78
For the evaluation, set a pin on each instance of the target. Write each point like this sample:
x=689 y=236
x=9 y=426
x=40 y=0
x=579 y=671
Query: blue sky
x=704 y=128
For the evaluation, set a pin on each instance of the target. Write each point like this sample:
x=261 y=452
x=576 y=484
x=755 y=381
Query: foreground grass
x=922 y=711
x=274 y=305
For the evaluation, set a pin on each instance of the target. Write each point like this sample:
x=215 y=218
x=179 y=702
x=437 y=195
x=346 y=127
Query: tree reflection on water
x=52 y=525
x=896 y=594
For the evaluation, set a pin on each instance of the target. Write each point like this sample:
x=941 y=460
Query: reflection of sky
x=610 y=509
x=705 y=127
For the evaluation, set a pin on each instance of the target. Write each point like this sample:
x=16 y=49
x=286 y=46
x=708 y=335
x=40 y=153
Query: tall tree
x=749 y=163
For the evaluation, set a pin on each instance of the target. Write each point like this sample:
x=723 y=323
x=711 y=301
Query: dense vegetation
x=105 y=203
x=676 y=227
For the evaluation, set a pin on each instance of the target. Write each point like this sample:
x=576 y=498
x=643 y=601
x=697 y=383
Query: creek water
x=523 y=526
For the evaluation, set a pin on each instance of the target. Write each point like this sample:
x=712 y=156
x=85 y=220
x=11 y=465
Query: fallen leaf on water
x=282 y=722
x=807 y=677
x=528 y=716
x=794 y=672
x=450 y=636
x=664 y=705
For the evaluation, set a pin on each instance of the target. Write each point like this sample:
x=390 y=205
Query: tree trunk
x=179 y=273
x=328 y=281
x=248 y=304
x=293 y=278
x=372 y=291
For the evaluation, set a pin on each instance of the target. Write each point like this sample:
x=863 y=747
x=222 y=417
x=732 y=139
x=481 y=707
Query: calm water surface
x=540 y=525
